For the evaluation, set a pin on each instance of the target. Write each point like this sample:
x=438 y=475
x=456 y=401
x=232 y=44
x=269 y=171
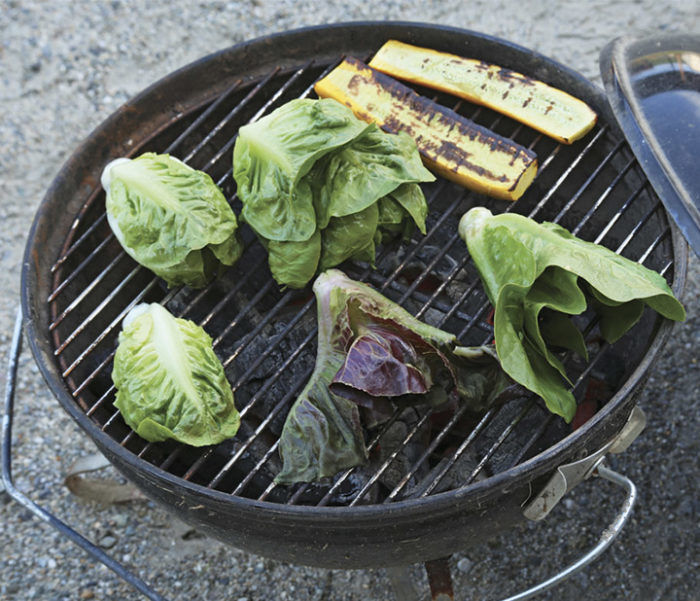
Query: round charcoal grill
x=435 y=482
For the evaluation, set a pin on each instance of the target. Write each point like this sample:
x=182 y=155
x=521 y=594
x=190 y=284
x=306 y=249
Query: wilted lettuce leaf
x=411 y=198
x=293 y=264
x=170 y=218
x=371 y=348
x=311 y=167
x=272 y=155
x=347 y=237
x=368 y=168
x=169 y=382
x=530 y=270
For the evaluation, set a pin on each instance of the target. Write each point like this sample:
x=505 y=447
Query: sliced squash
x=534 y=103
x=450 y=144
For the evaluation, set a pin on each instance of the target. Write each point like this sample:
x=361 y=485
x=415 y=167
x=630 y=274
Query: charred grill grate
x=266 y=337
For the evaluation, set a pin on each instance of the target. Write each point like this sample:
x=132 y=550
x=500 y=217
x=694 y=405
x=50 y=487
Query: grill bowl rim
x=540 y=464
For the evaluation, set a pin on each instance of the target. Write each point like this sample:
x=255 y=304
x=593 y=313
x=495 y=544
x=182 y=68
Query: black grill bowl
x=594 y=186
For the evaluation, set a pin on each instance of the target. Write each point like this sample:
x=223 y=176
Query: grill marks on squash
x=454 y=146
x=534 y=103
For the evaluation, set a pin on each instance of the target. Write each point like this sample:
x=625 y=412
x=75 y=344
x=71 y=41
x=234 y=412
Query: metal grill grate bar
x=632 y=197
x=483 y=422
x=236 y=288
x=596 y=172
x=432 y=264
x=195 y=125
x=499 y=441
x=237 y=109
x=307 y=340
x=281 y=404
x=96 y=311
x=572 y=165
x=304 y=94
x=137 y=269
x=547 y=420
x=170 y=148
x=73 y=274
x=108 y=329
x=221 y=304
x=639 y=226
x=312 y=334
x=437 y=439
x=388 y=461
x=84 y=293
x=598 y=203
x=82 y=237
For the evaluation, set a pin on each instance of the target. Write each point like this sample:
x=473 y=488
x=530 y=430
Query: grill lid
x=653 y=86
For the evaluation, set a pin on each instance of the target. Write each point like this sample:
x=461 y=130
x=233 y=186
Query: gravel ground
x=64 y=67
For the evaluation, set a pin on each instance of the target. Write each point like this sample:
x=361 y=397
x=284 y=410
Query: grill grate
x=267 y=338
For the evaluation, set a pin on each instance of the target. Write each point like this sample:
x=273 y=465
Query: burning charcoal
x=457 y=475
x=408 y=454
x=519 y=437
x=279 y=347
x=178 y=303
x=351 y=486
x=254 y=451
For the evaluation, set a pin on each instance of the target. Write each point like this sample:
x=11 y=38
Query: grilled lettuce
x=312 y=177
x=373 y=354
x=537 y=276
x=170 y=218
x=169 y=382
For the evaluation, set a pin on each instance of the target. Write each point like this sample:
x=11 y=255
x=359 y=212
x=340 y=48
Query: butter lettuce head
x=311 y=177
x=170 y=218
x=169 y=382
x=273 y=154
x=539 y=275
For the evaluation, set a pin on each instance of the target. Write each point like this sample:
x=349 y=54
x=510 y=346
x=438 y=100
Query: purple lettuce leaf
x=373 y=354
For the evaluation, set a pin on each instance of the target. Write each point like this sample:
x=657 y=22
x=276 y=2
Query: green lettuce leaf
x=169 y=382
x=293 y=264
x=528 y=268
x=311 y=167
x=348 y=237
x=273 y=154
x=411 y=198
x=170 y=218
x=368 y=168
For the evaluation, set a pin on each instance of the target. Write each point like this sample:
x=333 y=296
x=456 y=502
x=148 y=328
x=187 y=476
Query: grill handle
x=119 y=569
x=608 y=536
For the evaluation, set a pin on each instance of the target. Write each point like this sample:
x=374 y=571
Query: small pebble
x=464 y=565
x=107 y=542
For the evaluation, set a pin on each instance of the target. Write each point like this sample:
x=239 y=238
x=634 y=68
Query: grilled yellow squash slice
x=534 y=103
x=450 y=144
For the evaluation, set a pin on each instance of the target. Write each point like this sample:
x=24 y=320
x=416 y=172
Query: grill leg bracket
x=440 y=579
x=8 y=410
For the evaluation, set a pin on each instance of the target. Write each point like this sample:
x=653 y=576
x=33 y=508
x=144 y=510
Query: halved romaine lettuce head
x=537 y=276
x=170 y=218
x=169 y=382
x=373 y=354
